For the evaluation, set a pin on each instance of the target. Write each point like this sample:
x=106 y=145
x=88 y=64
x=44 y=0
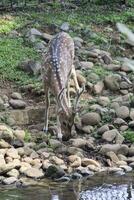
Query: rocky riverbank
x=103 y=136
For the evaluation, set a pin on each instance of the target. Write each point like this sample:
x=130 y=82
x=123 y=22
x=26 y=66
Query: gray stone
x=13 y=173
x=116 y=148
x=65 y=27
x=16 y=95
x=9 y=181
x=112 y=82
x=110 y=135
x=98 y=87
x=6 y=133
x=34 y=173
x=91 y=118
x=31 y=67
x=17 y=104
x=86 y=65
x=132 y=114
x=54 y=172
x=103 y=129
x=119 y=122
x=103 y=101
x=122 y=112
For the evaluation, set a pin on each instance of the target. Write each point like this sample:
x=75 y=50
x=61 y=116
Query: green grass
x=12 y=52
x=27 y=137
x=129 y=136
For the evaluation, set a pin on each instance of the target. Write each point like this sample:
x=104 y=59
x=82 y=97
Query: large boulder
x=91 y=118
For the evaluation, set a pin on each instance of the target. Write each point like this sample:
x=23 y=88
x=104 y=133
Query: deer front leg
x=59 y=127
x=75 y=79
x=68 y=94
x=47 y=103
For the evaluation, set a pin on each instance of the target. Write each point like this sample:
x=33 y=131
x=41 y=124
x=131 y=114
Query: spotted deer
x=56 y=71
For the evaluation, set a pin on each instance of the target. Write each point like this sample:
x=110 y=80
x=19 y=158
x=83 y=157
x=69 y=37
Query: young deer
x=56 y=71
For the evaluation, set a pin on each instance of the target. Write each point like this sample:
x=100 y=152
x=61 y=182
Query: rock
x=27 y=151
x=84 y=171
x=17 y=104
x=87 y=129
x=81 y=79
x=4 y=144
x=119 y=122
x=9 y=181
x=126 y=168
x=76 y=175
x=78 y=142
x=65 y=27
x=123 y=149
x=116 y=148
x=34 y=173
x=13 y=153
x=74 y=150
x=107 y=59
x=86 y=161
x=98 y=87
x=110 y=135
x=19 y=134
x=2 y=104
x=112 y=82
x=91 y=118
x=121 y=162
x=112 y=156
x=112 y=67
x=16 y=143
x=40 y=47
x=75 y=160
x=131 y=124
x=123 y=128
x=55 y=143
x=2 y=162
x=103 y=101
x=103 y=129
x=114 y=169
x=56 y=160
x=122 y=112
x=86 y=65
x=6 y=133
x=124 y=85
x=20 y=151
x=24 y=166
x=132 y=114
x=125 y=67
x=54 y=172
x=16 y=95
x=31 y=67
x=46 y=164
x=131 y=151
x=93 y=168
x=13 y=173
x=122 y=157
x=119 y=138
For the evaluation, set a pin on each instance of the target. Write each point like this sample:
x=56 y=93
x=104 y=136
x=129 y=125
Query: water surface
x=95 y=188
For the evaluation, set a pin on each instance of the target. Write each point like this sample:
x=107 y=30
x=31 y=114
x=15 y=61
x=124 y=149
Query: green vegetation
x=129 y=136
x=12 y=52
x=27 y=136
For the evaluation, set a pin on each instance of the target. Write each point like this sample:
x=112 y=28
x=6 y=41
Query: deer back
x=58 y=62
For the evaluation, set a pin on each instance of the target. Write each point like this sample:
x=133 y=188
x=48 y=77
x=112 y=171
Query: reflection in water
x=108 y=193
x=96 y=188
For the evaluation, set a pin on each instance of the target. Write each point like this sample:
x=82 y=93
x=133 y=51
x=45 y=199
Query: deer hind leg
x=75 y=79
x=68 y=94
x=47 y=104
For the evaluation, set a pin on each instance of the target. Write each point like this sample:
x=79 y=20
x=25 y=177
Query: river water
x=95 y=188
